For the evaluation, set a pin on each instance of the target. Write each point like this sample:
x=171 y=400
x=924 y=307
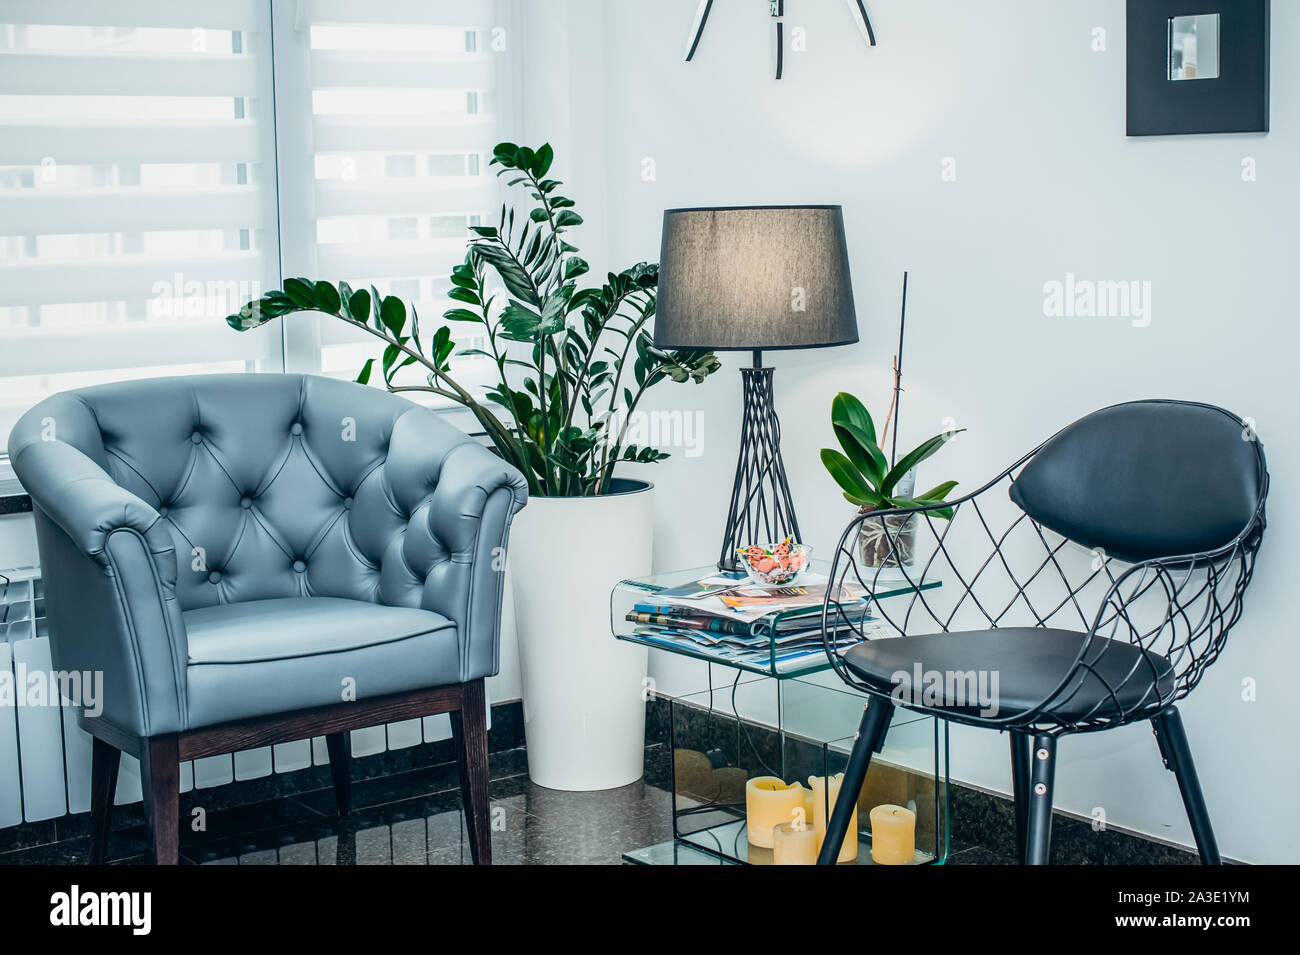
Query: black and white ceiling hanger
x=776 y=10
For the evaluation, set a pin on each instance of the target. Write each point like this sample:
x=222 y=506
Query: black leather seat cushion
x=1029 y=661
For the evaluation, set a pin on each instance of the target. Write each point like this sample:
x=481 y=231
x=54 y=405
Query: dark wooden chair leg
x=161 y=781
x=1020 y=755
x=1038 y=839
x=1178 y=757
x=469 y=730
x=104 y=761
x=340 y=750
x=871 y=736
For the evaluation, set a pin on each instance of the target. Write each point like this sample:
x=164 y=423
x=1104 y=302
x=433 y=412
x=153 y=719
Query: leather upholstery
x=289 y=627
x=302 y=652
x=161 y=497
x=1030 y=663
x=1146 y=479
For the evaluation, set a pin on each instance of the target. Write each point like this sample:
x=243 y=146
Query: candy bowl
x=775 y=565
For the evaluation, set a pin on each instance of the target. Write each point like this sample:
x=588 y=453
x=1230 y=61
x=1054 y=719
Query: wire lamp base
x=761 y=510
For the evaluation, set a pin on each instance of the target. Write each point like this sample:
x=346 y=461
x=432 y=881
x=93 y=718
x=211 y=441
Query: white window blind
x=137 y=201
x=406 y=104
x=157 y=169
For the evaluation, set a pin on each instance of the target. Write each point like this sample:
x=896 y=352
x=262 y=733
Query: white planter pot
x=584 y=716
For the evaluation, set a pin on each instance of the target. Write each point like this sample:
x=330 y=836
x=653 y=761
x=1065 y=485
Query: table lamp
x=754 y=278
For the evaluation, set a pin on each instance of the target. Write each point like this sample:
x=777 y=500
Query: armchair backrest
x=1147 y=479
x=269 y=485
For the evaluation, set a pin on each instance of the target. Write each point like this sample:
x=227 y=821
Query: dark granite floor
x=410 y=818
x=413 y=817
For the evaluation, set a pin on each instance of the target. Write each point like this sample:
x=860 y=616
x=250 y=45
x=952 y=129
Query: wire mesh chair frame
x=1197 y=599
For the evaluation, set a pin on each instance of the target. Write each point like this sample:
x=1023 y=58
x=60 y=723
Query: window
x=134 y=205
x=405 y=111
x=156 y=172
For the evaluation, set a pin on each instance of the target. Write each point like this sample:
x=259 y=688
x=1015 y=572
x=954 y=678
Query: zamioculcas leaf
x=542 y=162
x=327 y=298
x=366 y=369
x=359 y=305
x=300 y=292
x=468 y=296
x=393 y=314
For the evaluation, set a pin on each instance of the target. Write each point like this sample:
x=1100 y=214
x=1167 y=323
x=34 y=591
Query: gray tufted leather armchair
x=251 y=559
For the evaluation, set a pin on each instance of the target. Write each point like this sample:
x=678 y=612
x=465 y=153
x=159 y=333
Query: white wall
x=1047 y=183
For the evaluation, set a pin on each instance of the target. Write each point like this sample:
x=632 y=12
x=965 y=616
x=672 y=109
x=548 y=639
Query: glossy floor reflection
x=406 y=819
x=415 y=818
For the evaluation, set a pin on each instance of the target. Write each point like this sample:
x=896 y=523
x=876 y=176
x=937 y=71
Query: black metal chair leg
x=1042 y=771
x=1020 y=754
x=871 y=735
x=1177 y=755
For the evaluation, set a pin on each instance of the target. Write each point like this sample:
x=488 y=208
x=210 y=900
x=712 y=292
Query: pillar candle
x=769 y=801
x=822 y=811
x=794 y=843
x=809 y=808
x=893 y=835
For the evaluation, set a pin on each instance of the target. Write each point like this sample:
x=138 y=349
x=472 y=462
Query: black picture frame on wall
x=1236 y=101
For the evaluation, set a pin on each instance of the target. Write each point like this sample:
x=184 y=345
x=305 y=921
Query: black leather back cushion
x=1146 y=479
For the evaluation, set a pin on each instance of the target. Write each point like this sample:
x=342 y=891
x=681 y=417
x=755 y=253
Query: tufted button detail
x=296 y=428
x=299 y=567
x=162 y=510
x=347 y=503
x=196 y=438
x=214 y=577
x=245 y=502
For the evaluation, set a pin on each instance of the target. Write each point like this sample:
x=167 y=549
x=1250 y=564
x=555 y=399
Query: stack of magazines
x=753 y=625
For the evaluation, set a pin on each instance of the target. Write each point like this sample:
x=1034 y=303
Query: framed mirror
x=1197 y=66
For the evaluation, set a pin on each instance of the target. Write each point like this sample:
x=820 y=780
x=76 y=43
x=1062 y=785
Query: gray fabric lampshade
x=754 y=277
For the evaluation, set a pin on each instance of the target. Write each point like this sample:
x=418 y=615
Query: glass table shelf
x=628 y=594
x=782 y=714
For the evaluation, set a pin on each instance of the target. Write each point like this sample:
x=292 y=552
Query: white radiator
x=45 y=755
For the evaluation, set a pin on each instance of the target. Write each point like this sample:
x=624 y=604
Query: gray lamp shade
x=754 y=277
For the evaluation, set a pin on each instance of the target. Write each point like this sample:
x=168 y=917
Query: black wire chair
x=1120 y=554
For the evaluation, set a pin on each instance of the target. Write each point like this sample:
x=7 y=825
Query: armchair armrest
x=457 y=542
x=109 y=567
x=81 y=498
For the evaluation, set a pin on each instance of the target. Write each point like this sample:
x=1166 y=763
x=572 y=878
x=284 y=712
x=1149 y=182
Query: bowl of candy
x=775 y=565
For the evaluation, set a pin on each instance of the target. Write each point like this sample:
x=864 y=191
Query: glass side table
x=777 y=719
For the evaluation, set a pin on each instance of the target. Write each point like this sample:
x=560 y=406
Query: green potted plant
x=570 y=367
x=868 y=480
